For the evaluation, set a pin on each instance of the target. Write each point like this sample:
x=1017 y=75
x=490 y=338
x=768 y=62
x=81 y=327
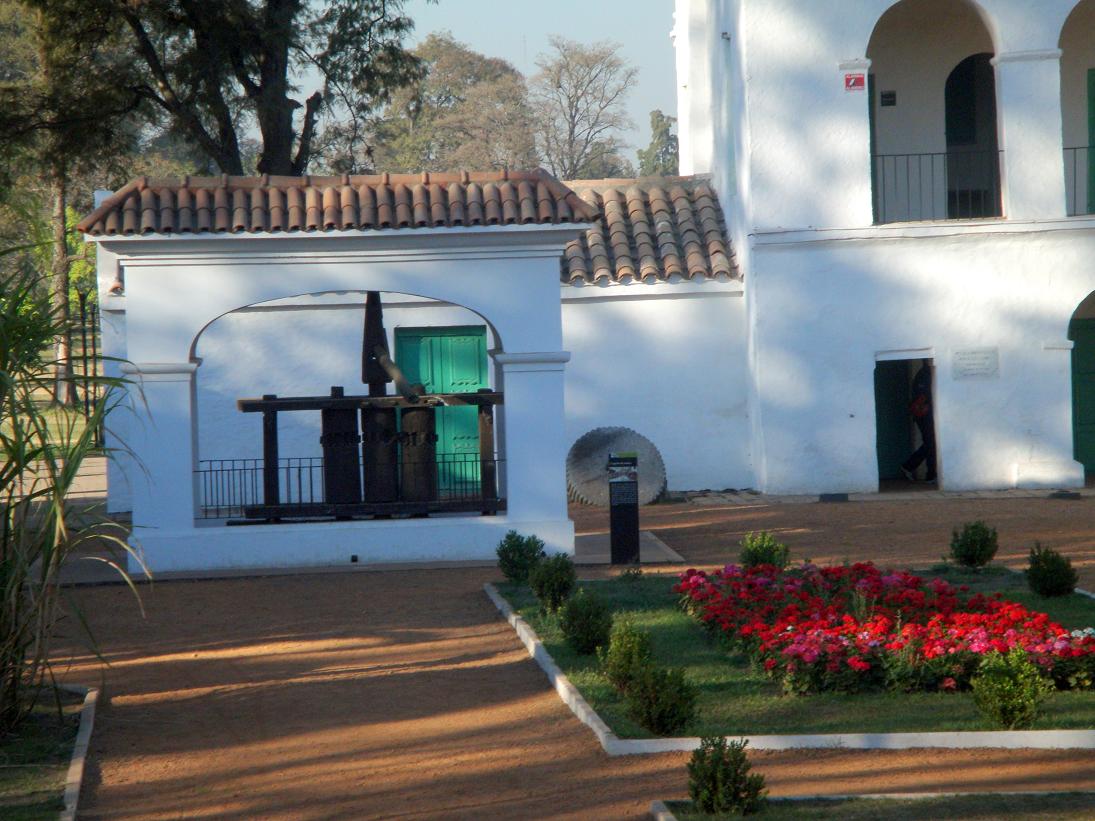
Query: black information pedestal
x=623 y=507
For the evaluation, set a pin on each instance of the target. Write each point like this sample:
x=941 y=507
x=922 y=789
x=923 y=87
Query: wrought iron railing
x=228 y=487
x=941 y=186
x=1079 y=181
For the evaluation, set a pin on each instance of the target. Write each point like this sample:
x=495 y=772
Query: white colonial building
x=868 y=186
x=904 y=181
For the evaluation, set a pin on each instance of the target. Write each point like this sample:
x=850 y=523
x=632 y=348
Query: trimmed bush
x=661 y=700
x=1008 y=689
x=553 y=580
x=586 y=622
x=627 y=654
x=975 y=545
x=518 y=554
x=1050 y=573
x=763 y=548
x=719 y=782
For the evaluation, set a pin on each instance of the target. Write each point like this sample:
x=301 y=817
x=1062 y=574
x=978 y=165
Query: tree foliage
x=65 y=99
x=216 y=69
x=466 y=111
x=578 y=107
x=661 y=157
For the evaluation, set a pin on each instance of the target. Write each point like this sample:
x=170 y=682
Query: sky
x=518 y=30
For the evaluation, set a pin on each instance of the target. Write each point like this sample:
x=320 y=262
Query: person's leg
x=927 y=431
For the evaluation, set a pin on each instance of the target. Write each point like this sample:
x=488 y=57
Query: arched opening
x=934 y=146
x=266 y=394
x=1078 y=107
x=1081 y=330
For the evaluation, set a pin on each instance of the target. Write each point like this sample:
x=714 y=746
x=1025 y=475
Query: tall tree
x=662 y=156
x=217 y=68
x=578 y=103
x=63 y=98
x=467 y=111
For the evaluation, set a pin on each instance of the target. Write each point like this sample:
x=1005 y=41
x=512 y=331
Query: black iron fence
x=1079 y=181
x=228 y=487
x=941 y=186
x=86 y=357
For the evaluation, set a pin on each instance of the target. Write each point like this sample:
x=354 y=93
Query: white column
x=1028 y=92
x=534 y=437
x=162 y=441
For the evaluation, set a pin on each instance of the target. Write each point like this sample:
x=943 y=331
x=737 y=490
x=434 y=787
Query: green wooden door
x=1082 y=333
x=891 y=401
x=449 y=360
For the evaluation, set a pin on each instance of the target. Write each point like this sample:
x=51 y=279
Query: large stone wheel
x=587 y=477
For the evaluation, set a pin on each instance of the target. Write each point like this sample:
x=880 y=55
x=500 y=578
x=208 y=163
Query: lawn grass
x=1051 y=807
x=736 y=699
x=34 y=761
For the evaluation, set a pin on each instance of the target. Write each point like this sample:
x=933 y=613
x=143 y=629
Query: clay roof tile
x=296 y=213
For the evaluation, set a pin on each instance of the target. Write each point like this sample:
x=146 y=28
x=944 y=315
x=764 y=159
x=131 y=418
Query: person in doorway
x=923 y=415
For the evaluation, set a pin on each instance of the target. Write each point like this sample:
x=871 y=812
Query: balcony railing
x=942 y=186
x=233 y=488
x=1079 y=181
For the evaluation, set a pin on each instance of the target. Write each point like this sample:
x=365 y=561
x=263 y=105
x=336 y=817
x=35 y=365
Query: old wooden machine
x=379 y=451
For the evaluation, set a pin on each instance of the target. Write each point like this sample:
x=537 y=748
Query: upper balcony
x=934 y=146
x=1078 y=108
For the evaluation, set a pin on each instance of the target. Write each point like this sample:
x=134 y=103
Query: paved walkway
x=402 y=694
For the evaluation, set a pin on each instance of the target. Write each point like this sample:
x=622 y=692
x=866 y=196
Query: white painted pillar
x=1028 y=92
x=163 y=484
x=534 y=436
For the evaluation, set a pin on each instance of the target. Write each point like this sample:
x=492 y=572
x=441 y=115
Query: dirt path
x=403 y=695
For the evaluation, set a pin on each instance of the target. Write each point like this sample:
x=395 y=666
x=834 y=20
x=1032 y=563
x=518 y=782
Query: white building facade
x=582 y=311
x=904 y=182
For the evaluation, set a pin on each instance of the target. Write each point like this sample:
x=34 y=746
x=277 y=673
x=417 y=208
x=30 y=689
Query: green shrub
x=975 y=545
x=553 y=580
x=763 y=548
x=518 y=554
x=627 y=654
x=586 y=622
x=661 y=700
x=1008 y=689
x=1050 y=573
x=719 y=781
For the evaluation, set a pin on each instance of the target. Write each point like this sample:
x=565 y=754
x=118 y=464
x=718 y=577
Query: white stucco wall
x=670 y=362
x=807 y=140
x=927 y=296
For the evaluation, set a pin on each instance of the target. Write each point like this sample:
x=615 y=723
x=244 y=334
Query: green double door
x=449 y=360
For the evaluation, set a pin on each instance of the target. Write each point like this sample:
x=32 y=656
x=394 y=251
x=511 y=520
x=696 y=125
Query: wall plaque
x=976 y=363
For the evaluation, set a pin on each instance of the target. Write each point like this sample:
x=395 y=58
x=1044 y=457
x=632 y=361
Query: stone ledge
x=75 y=778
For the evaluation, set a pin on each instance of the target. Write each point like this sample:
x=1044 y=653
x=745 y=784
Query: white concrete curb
x=661 y=812
x=75 y=778
x=614 y=745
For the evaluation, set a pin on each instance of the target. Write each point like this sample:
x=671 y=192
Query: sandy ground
x=404 y=695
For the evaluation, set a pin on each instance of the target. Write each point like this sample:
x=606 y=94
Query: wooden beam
x=323 y=509
x=304 y=403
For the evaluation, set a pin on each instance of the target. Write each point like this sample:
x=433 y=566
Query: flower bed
x=855 y=628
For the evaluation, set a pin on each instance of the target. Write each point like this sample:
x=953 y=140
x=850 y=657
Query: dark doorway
x=973 y=157
x=1082 y=334
x=897 y=429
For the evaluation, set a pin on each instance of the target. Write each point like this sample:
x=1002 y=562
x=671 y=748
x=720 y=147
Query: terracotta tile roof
x=267 y=204
x=656 y=229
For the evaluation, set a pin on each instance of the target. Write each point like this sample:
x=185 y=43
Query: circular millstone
x=587 y=474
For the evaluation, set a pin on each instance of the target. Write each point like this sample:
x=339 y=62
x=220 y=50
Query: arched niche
x=934 y=141
x=1078 y=107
